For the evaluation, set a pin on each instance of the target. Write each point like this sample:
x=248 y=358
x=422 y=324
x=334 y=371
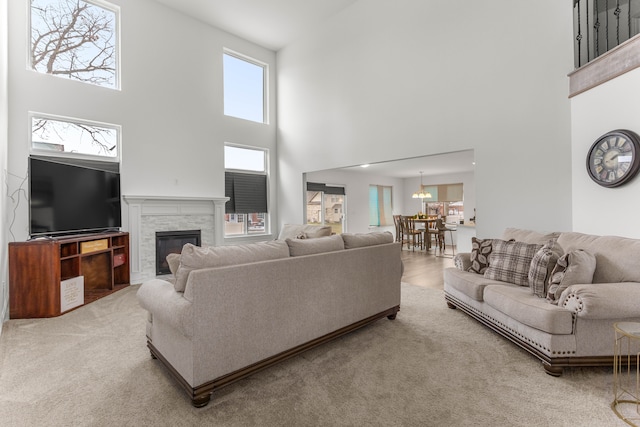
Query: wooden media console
x=50 y=276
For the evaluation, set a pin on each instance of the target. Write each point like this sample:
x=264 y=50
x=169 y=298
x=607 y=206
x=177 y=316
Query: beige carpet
x=432 y=366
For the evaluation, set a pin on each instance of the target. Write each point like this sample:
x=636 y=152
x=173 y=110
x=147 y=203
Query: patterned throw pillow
x=542 y=265
x=510 y=261
x=480 y=251
x=575 y=267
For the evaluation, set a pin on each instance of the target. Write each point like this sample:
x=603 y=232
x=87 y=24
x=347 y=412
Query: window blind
x=247 y=193
x=326 y=189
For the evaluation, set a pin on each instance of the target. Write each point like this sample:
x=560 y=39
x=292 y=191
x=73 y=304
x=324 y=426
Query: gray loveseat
x=233 y=310
x=562 y=312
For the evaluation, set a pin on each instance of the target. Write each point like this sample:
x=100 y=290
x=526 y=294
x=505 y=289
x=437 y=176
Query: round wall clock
x=614 y=158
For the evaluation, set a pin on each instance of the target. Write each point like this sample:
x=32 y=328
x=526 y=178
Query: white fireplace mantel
x=138 y=207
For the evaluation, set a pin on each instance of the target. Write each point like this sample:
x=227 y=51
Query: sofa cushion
x=528 y=236
x=518 y=303
x=542 y=266
x=480 y=251
x=470 y=284
x=359 y=240
x=575 y=267
x=298 y=247
x=303 y=231
x=616 y=257
x=196 y=257
x=510 y=261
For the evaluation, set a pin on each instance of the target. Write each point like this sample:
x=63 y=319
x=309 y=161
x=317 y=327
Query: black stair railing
x=601 y=25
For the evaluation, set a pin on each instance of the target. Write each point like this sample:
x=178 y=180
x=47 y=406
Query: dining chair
x=431 y=234
x=442 y=228
x=397 y=222
x=414 y=237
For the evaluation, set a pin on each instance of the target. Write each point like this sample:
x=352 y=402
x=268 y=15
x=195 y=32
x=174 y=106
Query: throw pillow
x=196 y=257
x=480 y=251
x=309 y=231
x=298 y=247
x=575 y=267
x=359 y=240
x=510 y=261
x=174 y=262
x=542 y=266
x=528 y=236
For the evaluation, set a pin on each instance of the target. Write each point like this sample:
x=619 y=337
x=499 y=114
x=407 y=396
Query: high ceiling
x=269 y=23
x=275 y=23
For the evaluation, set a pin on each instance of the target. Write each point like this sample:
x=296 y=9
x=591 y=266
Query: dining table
x=429 y=223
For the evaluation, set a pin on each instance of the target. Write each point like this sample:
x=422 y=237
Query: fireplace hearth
x=168 y=242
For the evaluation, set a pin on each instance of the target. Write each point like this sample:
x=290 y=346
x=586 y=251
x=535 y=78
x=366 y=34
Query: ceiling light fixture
x=421 y=194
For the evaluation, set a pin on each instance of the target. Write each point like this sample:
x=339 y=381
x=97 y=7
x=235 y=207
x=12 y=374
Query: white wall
x=387 y=80
x=170 y=106
x=4 y=274
x=612 y=105
x=357 y=191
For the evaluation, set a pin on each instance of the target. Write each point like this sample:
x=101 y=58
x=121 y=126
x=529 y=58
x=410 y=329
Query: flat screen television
x=67 y=199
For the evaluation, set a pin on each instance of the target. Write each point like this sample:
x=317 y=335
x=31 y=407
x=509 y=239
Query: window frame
x=111 y=7
x=265 y=84
x=73 y=120
x=266 y=173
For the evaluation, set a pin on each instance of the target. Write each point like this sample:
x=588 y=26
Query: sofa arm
x=603 y=300
x=160 y=298
x=462 y=261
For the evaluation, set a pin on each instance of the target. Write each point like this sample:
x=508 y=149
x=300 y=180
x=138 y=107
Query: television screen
x=65 y=198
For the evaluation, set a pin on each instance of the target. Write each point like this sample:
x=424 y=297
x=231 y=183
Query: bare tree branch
x=100 y=137
x=74 y=39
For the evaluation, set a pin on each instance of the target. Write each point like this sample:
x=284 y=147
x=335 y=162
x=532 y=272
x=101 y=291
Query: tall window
x=246 y=186
x=244 y=87
x=380 y=209
x=58 y=136
x=75 y=39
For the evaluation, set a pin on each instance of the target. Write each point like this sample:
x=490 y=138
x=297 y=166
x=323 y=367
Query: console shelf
x=38 y=269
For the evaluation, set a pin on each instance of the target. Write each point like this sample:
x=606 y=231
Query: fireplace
x=171 y=242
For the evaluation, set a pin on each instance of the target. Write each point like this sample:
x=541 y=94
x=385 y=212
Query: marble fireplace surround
x=147 y=214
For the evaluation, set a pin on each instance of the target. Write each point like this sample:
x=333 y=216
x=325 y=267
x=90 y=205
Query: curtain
x=380 y=210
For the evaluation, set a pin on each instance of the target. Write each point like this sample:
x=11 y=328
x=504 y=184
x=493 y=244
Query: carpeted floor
x=432 y=366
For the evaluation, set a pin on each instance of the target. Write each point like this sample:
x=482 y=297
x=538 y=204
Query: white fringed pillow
x=575 y=267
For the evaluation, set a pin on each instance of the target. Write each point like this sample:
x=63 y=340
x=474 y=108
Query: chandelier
x=421 y=194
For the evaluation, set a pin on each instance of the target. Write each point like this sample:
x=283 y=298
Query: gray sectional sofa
x=230 y=311
x=555 y=295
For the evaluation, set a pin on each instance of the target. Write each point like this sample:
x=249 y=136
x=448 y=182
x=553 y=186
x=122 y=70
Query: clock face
x=614 y=158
